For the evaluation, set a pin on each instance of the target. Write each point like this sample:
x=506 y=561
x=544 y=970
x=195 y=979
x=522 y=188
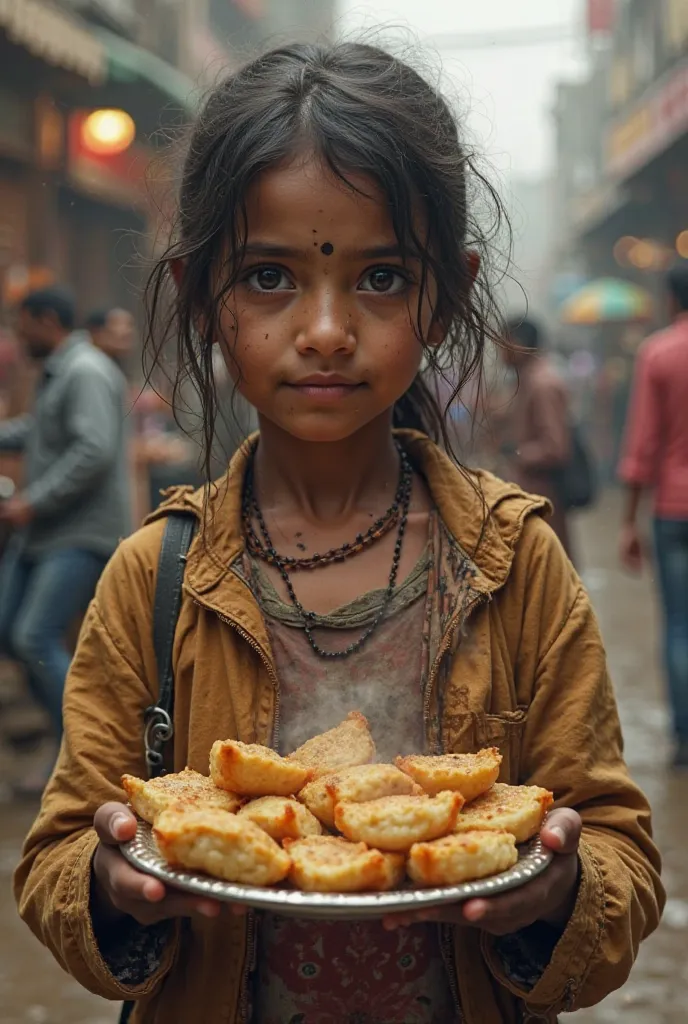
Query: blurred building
x=623 y=148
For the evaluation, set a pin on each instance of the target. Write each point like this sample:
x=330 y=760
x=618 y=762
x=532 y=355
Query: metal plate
x=143 y=853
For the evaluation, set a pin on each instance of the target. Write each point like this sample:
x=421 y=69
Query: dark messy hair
x=97 y=319
x=362 y=112
x=51 y=300
x=677 y=283
x=525 y=333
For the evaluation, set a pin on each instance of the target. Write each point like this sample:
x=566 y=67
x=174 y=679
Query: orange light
x=107 y=132
x=623 y=248
x=643 y=254
x=682 y=244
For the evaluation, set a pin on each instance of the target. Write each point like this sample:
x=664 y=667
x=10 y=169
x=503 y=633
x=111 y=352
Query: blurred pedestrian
x=656 y=457
x=74 y=507
x=113 y=331
x=536 y=424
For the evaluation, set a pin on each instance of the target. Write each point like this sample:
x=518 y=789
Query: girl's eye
x=269 y=279
x=384 y=281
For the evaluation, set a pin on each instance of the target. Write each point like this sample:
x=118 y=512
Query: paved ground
x=34 y=991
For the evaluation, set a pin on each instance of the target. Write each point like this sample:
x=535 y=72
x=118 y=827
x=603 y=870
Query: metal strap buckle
x=158 y=731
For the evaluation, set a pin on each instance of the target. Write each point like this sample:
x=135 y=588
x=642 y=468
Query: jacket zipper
x=445 y=931
x=251 y=926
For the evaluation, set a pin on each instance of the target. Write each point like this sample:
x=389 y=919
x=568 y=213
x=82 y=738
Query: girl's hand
x=120 y=890
x=550 y=897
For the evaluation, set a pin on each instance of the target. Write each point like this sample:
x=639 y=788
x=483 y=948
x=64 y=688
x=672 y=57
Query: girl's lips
x=326 y=392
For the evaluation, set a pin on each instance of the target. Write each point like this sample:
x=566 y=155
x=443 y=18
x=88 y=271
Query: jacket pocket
x=469 y=731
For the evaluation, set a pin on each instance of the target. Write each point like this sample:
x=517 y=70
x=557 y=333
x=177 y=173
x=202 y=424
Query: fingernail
x=208 y=909
x=474 y=911
x=118 y=823
x=559 y=833
x=151 y=891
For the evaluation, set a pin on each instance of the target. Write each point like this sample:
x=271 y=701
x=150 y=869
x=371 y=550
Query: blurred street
x=34 y=991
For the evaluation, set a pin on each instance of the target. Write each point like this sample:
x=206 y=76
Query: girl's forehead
x=304 y=197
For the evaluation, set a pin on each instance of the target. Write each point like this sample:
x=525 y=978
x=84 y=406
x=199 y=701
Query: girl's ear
x=473 y=264
x=177 y=272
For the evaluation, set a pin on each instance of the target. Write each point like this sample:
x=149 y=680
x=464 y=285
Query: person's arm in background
x=94 y=426
x=550 y=447
x=639 y=460
x=14 y=433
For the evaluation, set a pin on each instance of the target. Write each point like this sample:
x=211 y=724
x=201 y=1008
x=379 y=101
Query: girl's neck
x=326 y=480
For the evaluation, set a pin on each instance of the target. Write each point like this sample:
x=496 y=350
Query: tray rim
x=534 y=858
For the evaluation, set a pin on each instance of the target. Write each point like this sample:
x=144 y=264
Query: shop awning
x=127 y=62
x=53 y=36
x=607 y=300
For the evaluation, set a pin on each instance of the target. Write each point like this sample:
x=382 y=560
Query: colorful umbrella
x=608 y=300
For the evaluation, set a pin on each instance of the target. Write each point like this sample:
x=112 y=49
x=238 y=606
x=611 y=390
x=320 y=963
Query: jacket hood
x=483 y=515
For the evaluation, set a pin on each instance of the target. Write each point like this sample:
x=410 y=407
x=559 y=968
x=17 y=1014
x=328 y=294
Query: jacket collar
x=483 y=515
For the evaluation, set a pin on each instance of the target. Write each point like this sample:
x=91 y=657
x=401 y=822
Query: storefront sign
x=657 y=120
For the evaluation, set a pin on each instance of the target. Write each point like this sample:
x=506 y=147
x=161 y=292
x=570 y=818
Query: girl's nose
x=326 y=328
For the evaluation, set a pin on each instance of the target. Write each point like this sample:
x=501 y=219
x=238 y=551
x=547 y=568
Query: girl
x=326 y=245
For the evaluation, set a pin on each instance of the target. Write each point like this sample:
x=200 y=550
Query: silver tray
x=142 y=853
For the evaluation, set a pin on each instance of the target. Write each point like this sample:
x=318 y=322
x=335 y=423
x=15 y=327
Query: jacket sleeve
x=94 y=424
x=572 y=745
x=111 y=681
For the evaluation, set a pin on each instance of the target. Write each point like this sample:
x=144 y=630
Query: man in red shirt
x=656 y=456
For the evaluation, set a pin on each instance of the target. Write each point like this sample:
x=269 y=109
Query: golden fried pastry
x=357 y=784
x=519 y=810
x=468 y=774
x=188 y=788
x=348 y=744
x=281 y=817
x=331 y=864
x=461 y=858
x=395 y=823
x=252 y=770
x=221 y=844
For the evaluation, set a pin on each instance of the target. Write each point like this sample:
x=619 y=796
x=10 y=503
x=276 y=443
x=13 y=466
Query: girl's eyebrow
x=276 y=251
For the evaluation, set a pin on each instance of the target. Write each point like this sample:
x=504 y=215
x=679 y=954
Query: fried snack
x=252 y=770
x=461 y=858
x=519 y=810
x=348 y=744
x=395 y=823
x=468 y=774
x=187 y=788
x=331 y=864
x=281 y=817
x=358 y=784
x=221 y=844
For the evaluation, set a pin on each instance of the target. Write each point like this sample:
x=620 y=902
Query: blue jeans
x=671 y=543
x=40 y=598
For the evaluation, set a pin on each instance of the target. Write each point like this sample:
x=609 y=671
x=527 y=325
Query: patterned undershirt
x=340 y=972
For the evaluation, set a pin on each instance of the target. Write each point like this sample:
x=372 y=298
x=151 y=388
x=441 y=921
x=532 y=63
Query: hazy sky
x=508 y=93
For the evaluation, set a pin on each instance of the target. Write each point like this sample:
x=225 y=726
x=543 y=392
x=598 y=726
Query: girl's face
x=319 y=331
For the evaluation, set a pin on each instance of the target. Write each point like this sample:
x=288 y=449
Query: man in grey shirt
x=75 y=505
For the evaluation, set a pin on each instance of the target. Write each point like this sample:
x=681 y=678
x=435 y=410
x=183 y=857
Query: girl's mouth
x=326 y=387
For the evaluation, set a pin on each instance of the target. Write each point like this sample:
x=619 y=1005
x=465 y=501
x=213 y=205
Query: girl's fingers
x=114 y=823
x=562 y=830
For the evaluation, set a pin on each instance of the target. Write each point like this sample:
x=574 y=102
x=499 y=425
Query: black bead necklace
x=266 y=551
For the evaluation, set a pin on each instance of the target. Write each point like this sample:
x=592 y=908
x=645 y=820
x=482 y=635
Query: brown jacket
x=521 y=665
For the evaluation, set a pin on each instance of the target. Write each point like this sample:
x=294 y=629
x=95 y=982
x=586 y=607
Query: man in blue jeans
x=75 y=504
x=656 y=456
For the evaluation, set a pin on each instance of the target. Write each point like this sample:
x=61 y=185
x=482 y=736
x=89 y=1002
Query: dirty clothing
x=520 y=665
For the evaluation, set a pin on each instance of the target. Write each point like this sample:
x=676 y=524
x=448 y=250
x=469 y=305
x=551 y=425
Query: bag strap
x=158 y=718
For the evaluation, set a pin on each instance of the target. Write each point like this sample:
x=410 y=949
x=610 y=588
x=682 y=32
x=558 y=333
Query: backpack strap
x=158 y=718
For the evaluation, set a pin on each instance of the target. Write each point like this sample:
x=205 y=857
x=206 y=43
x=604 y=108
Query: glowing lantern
x=107 y=132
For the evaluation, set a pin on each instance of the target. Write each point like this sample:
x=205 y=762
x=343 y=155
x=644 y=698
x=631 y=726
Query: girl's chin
x=320 y=430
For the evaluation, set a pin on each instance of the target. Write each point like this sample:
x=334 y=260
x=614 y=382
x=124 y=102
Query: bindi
x=327 y=248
